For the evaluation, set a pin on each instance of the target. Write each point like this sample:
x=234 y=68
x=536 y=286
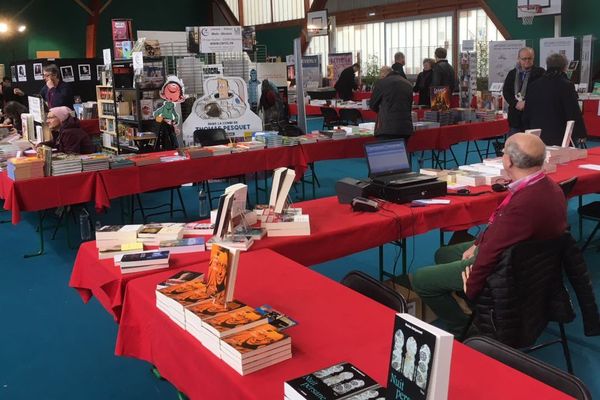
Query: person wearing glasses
x=55 y=92
x=515 y=88
x=67 y=135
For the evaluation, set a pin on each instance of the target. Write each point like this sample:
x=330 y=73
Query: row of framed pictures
x=19 y=72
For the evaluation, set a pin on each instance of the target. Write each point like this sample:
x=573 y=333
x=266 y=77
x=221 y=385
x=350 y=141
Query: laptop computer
x=389 y=164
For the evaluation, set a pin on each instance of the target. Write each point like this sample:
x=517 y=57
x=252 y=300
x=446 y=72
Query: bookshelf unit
x=106 y=117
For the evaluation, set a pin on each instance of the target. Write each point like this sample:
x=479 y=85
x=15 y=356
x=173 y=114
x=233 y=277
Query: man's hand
x=465 y=277
x=49 y=83
x=18 y=92
x=520 y=105
x=469 y=253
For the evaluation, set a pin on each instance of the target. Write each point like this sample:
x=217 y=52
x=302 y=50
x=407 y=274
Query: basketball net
x=528 y=13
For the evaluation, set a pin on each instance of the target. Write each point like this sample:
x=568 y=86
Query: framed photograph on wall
x=67 y=73
x=85 y=73
x=38 y=72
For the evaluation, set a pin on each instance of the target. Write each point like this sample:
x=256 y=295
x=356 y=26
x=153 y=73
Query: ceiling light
x=371 y=14
x=22 y=28
x=3 y=27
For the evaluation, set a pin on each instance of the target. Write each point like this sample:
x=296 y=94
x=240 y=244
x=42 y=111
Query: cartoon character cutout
x=172 y=92
x=253 y=87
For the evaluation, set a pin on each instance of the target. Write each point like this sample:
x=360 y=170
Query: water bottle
x=202 y=204
x=85 y=228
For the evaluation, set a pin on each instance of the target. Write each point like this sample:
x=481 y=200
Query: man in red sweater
x=534 y=209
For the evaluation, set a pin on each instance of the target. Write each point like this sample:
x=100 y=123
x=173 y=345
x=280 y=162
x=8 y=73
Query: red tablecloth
x=367 y=115
x=591 y=118
x=334 y=324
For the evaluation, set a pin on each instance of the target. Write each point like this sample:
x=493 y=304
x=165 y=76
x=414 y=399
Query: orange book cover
x=194 y=284
x=191 y=297
x=234 y=319
x=209 y=308
x=218 y=269
x=255 y=338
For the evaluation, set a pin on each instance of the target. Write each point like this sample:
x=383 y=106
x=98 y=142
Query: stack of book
x=198 y=228
x=64 y=164
x=335 y=134
x=121 y=161
x=154 y=234
x=272 y=140
x=94 y=162
x=197 y=152
x=172 y=299
x=111 y=238
x=340 y=381
x=145 y=159
x=251 y=146
x=182 y=246
x=197 y=314
x=219 y=150
x=485 y=115
x=23 y=168
x=287 y=224
x=143 y=261
x=116 y=251
x=421 y=125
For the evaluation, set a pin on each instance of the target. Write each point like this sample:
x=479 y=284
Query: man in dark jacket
x=520 y=217
x=392 y=101
x=55 y=92
x=443 y=72
x=398 y=65
x=515 y=87
x=346 y=82
x=67 y=135
x=551 y=102
x=424 y=82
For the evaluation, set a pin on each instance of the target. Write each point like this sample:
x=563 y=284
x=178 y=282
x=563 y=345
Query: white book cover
x=277 y=174
x=567 y=141
x=420 y=360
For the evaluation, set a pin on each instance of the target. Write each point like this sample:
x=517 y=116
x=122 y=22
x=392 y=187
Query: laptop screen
x=387 y=157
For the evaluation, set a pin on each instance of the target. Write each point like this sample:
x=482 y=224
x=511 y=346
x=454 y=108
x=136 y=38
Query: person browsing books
x=399 y=63
x=551 y=102
x=520 y=217
x=392 y=101
x=55 y=92
x=346 y=82
x=424 y=82
x=67 y=135
x=515 y=87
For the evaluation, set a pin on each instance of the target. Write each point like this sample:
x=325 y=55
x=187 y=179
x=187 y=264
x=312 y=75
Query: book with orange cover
x=196 y=283
x=222 y=272
x=234 y=321
x=250 y=340
x=208 y=308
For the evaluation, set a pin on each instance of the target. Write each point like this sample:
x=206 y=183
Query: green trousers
x=435 y=285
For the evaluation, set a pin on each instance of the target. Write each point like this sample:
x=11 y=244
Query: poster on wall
x=311 y=71
x=13 y=73
x=274 y=72
x=586 y=60
x=21 y=73
x=338 y=62
x=67 y=73
x=220 y=39
x=248 y=38
x=562 y=45
x=85 y=73
x=224 y=105
x=467 y=77
x=502 y=57
x=99 y=70
x=38 y=73
x=212 y=70
x=192 y=38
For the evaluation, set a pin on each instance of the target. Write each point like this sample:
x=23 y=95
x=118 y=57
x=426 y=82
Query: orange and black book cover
x=218 y=269
x=191 y=297
x=440 y=98
x=209 y=308
x=195 y=284
x=255 y=338
x=234 y=319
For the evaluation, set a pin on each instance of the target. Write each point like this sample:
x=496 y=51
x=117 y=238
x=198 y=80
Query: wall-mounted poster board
x=502 y=58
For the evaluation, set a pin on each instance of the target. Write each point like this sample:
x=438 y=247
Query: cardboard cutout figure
x=172 y=92
x=253 y=87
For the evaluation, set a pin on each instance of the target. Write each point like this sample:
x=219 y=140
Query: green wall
x=60 y=24
x=579 y=18
x=279 y=41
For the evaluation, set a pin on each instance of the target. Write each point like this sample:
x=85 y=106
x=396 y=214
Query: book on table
x=283 y=178
x=276 y=318
x=420 y=360
x=339 y=381
x=256 y=348
x=222 y=273
x=172 y=300
x=223 y=215
x=196 y=314
x=179 y=279
x=153 y=234
x=181 y=246
x=236 y=241
x=144 y=261
x=198 y=228
x=234 y=321
x=106 y=252
x=119 y=233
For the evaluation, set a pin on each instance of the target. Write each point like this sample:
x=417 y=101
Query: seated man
x=534 y=209
x=67 y=135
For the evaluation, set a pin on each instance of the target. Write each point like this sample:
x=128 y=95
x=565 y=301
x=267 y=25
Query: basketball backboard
x=545 y=7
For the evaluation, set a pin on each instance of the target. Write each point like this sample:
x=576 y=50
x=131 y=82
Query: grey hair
x=521 y=159
x=557 y=61
x=52 y=69
x=398 y=55
x=522 y=49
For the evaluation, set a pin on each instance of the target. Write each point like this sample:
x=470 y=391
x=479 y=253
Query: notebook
x=389 y=164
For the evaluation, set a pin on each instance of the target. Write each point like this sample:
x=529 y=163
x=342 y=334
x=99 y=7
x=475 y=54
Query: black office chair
x=350 y=116
x=210 y=137
x=375 y=290
x=518 y=323
x=330 y=117
x=528 y=365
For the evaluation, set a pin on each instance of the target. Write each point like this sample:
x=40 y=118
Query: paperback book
x=222 y=273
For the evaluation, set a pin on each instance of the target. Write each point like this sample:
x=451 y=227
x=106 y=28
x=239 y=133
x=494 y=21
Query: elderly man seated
x=534 y=209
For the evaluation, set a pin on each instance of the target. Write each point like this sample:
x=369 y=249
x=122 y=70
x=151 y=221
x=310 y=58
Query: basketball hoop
x=528 y=13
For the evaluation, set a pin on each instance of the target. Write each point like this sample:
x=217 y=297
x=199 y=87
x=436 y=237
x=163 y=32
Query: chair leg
x=589 y=239
x=467 y=152
x=139 y=200
x=171 y=203
x=565 y=346
x=182 y=205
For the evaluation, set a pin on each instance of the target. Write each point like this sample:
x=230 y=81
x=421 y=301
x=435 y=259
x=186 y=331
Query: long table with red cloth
x=591 y=117
x=335 y=324
x=336 y=232
x=312 y=110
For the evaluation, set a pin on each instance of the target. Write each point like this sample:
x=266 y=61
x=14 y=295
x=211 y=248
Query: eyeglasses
x=526 y=59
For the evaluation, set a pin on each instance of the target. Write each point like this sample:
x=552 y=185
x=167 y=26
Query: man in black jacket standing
x=346 y=82
x=551 y=102
x=515 y=88
x=443 y=72
x=398 y=65
x=392 y=101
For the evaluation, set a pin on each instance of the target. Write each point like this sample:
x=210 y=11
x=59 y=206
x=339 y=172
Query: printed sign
x=220 y=39
x=338 y=62
x=502 y=58
x=562 y=45
x=212 y=70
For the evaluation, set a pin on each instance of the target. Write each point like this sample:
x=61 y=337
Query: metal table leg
x=41 y=216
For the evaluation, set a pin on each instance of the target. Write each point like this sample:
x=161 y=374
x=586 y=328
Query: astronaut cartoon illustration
x=224 y=102
x=172 y=92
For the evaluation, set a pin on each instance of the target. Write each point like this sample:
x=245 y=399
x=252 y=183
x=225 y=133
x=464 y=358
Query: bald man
x=534 y=209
